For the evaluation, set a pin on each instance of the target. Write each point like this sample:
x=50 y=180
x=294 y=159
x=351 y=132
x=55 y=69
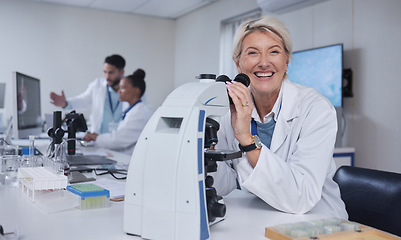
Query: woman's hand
x=241 y=114
x=90 y=137
x=241 y=111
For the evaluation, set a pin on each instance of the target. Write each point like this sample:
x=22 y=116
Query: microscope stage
x=222 y=155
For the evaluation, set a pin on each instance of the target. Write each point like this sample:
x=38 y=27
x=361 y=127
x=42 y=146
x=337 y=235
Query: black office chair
x=371 y=197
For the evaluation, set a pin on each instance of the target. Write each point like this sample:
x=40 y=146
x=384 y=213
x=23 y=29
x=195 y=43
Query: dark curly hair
x=137 y=79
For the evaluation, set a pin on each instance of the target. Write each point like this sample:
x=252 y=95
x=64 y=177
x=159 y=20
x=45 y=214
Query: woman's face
x=264 y=60
x=126 y=92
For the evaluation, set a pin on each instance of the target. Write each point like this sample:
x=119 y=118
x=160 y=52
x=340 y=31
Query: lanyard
x=111 y=105
x=130 y=107
x=254 y=127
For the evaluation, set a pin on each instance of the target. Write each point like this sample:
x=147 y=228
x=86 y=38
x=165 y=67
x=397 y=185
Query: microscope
x=168 y=192
x=75 y=123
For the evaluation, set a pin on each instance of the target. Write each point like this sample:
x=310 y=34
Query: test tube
x=31 y=151
x=31 y=148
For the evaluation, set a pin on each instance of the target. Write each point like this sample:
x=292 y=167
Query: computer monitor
x=27 y=112
x=320 y=68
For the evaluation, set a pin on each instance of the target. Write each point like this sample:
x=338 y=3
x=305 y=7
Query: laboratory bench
x=246 y=217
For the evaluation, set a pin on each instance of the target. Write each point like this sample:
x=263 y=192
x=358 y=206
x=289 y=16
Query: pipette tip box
x=91 y=195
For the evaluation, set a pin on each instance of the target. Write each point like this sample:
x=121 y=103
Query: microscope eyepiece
x=242 y=78
x=223 y=78
x=207 y=76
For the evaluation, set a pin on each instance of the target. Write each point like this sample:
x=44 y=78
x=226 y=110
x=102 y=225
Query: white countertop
x=246 y=216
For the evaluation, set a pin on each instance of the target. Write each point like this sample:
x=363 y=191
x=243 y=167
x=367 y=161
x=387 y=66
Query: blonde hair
x=264 y=23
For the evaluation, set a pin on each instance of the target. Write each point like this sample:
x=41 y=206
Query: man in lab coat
x=101 y=97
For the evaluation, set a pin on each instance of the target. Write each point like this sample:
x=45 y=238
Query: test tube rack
x=326 y=229
x=39 y=178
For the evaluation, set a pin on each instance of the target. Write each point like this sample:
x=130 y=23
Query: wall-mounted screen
x=27 y=112
x=320 y=68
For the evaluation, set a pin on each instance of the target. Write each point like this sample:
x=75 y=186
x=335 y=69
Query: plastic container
x=56 y=201
x=9 y=165
x=92 y=196
x=8 y=150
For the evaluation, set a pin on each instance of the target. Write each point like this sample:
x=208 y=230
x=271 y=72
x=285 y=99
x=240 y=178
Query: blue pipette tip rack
x=91 y=195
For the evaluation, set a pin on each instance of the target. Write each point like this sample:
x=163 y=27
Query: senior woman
x=286 y=131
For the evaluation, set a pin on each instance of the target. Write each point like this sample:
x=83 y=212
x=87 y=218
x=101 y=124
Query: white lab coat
x=93 y=98
x=296 y=174
x=125 y=137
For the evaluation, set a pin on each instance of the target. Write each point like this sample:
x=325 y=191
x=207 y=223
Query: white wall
x=371 y=33
x=65 y=47
x=375 y=120
x=198 y=38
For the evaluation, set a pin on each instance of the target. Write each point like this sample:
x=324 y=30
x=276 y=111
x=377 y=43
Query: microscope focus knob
x=211 y=192
x=218 y=209
x=209 y=181
x=214 y=208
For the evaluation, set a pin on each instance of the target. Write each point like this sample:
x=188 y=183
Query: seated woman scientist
x=286 y=131
x=134 y=118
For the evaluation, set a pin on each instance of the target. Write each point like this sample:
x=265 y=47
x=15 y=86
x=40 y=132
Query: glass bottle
x=60 y=160
x=25 y=158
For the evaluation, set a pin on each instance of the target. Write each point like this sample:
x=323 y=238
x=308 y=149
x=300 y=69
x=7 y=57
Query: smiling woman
x=263 y=59
x=286 y=131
